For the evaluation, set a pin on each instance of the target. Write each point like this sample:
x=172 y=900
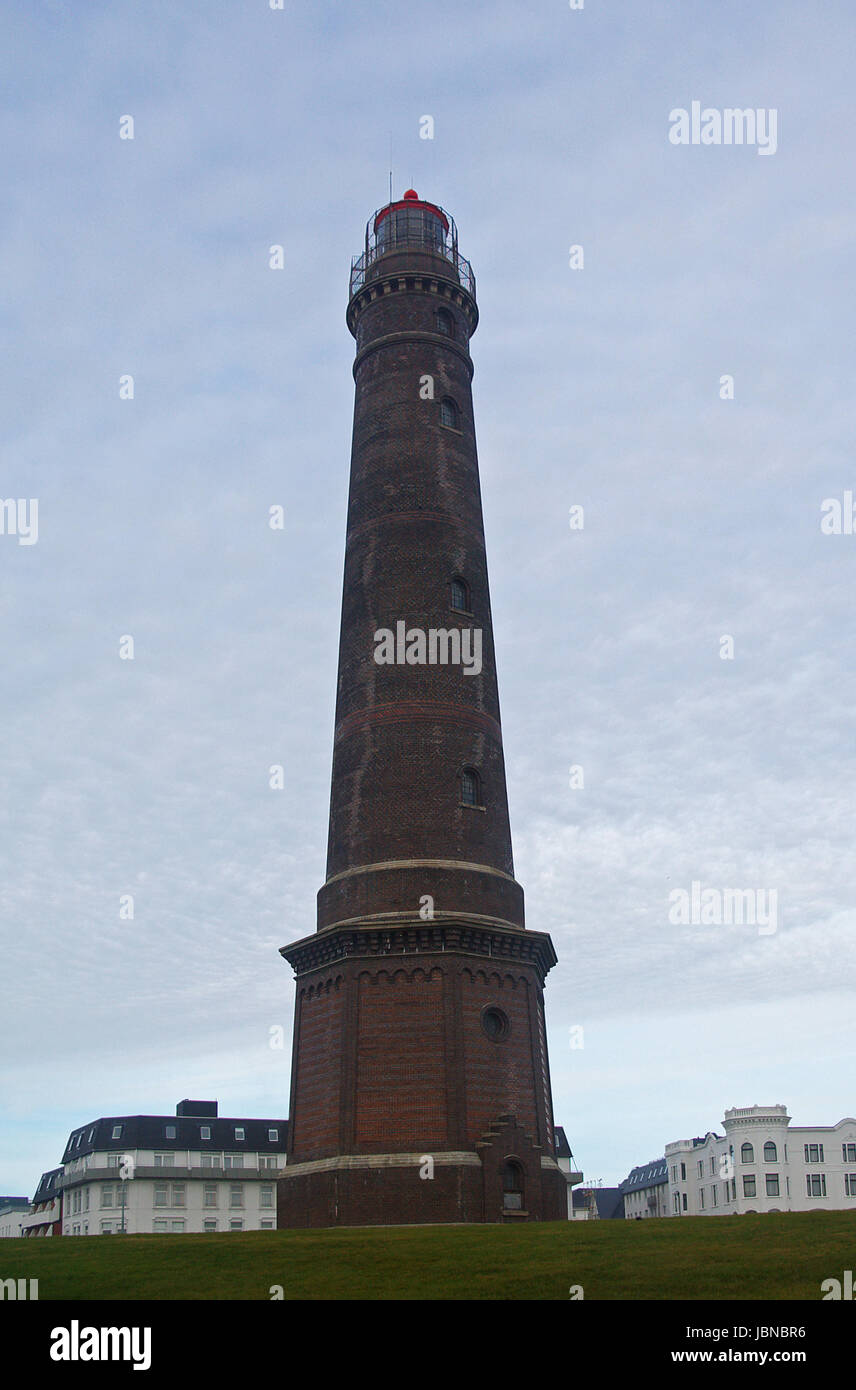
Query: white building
x=12 y=1213
x=163 y=1174
x=44 y=1214
x=565 y=1160
x=594 y=1202
x=583 y=1204
x=646 y=1191
x=760 y=1164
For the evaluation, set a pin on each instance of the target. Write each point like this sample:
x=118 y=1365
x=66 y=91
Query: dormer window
x=117 y=1132
x=169 y=1131
x=204 y=1131
x=239 y=1133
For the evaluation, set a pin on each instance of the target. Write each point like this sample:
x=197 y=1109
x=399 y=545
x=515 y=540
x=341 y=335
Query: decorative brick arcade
x=420 y=1087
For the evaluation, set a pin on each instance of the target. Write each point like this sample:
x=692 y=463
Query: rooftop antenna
x=390 y=167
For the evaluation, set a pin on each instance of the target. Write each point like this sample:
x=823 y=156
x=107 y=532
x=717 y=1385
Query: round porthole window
x=495 y=1023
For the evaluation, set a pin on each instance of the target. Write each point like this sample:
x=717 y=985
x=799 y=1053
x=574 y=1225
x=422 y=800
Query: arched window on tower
x=770 y=1155
x=460 y=595
x=445 y=323
x=450 y=416
x=512 y=1186
x=470 y=787
x=747 y=1153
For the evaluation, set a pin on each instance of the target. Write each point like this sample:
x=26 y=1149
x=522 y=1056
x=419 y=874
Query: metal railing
x=360 y=265
x=419 y=238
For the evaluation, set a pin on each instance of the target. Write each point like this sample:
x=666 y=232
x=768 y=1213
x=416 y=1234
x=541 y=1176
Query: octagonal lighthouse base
x=420 y=1087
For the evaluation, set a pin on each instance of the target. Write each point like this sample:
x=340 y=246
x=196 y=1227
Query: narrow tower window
x=512 y=1186
x=449 y=414
x=445 y=323
x=470 y=789
x=460 y=595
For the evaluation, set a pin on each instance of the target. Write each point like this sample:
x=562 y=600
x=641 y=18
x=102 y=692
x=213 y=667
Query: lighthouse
x=420 y=1084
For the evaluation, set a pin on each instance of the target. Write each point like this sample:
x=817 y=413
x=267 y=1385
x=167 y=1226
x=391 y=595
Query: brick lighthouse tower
x=420 y=1087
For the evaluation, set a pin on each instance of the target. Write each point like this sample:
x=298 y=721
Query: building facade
x=646 y=1191
x=44 y=1214
x=583 y=1206
x=597 y=1203
x=420 y=1087
x=567 y=1163
x=170 y=1174
x=12 y=1213
x=761 y=1164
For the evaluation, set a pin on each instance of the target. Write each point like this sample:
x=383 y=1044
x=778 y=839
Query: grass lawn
x=782 y=1256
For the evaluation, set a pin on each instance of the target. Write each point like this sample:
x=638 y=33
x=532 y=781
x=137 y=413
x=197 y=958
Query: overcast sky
x=599 y=387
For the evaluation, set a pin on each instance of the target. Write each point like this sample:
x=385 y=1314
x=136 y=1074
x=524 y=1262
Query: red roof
x=410 y=200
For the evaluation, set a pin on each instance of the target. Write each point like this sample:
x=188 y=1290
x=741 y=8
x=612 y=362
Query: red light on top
x=412 y=200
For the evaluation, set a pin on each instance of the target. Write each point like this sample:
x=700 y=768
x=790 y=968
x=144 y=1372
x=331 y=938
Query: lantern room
x=410 y=230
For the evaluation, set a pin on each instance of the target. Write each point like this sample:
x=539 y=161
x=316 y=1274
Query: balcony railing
x=421 y=232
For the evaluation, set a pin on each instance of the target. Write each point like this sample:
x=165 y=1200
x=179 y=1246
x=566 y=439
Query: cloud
x=598 y=387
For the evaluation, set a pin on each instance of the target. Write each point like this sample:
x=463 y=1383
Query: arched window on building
x=747 y=1153
x=512 y=1186
x=470 y=788
x=460 y=595
x=445 y=323
x=770 y=1153
x=450 y=416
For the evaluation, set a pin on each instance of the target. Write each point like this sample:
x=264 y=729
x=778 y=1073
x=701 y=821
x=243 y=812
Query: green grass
x=782 y=1256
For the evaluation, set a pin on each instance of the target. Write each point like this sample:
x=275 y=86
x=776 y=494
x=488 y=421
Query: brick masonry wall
x=405 y=732
x=317 y=1092
x=390 y=1053
x=401 y=1061
x=453 y=890
x=405 y=1195
x=381 y=1197
x=501 y=1073
x=392 y=1057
